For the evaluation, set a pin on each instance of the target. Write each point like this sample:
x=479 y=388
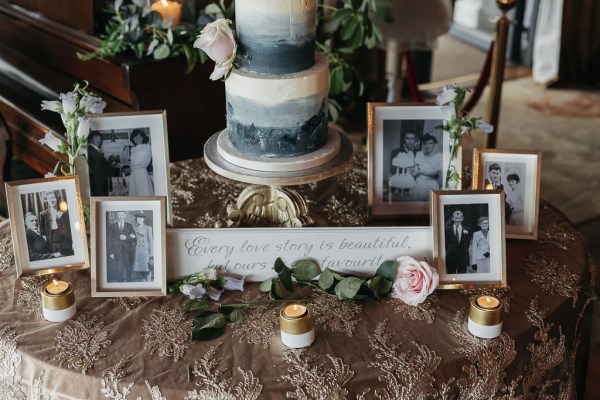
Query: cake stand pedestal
x=267 y=201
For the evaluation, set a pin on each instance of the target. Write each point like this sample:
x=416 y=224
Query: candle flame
x=63 y=206
x=165 y=3
x=55 y=283
x=487 y=299
x=295 y=307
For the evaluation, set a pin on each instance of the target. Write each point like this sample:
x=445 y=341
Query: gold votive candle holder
x=58 y=301
x=297 y=327
x=485 y=317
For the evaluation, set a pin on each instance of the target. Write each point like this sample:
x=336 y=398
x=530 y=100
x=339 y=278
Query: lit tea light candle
x=168 y=9
x=297 y=328
x=485 y=317
x=58 y=301
x=57 y=287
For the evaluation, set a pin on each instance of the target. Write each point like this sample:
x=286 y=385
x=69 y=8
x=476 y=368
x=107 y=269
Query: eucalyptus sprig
x=348 y=287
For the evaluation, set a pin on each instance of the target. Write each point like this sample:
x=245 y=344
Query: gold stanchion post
x=497 y=73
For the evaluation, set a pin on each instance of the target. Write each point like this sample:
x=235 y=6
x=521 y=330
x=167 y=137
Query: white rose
x=217 y=41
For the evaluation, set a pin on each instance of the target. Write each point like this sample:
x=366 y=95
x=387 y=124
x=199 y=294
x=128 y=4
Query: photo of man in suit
x=121 y=243
x=493 y=180
x=100 y=184
x=37 y=246
x=55 y=224
x=457 y=240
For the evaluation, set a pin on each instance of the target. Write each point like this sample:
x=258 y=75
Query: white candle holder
x=485 y=320
x=297 y=329
x=58 y=307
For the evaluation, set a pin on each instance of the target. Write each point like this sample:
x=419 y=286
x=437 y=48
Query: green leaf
x=305 y=270
x=326 y=279
x=237 y=316
x=348 y=287
x=196 y=305
x=266 y=286
x=214 y=320
x=170 y=36
x=349 y=28
x=206 y=334
x=162 y=51
x=336 y=80
x=388 y=269
x=379 y=285
x=166 y=24
x=337 y=276
x=284 y=273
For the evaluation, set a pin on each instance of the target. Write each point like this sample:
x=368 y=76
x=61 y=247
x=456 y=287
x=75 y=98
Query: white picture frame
x=128 y=238
x=399 y=181
x=129 y=167
x=465 y=256
x=47 y=225
x=518 y=173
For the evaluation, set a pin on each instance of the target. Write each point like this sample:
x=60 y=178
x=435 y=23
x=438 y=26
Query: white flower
x=83 y=129
x=210 y=274
x=193 y=291
x=93 y=104
x=415 y=281
x=448 y=94
x=220 y=71
x=51 y=141
x=234 y=282
x=51 y=105
x=68 y=102
x=214 y=294
x=449 y=111
x=217 y=41
x=484 y=126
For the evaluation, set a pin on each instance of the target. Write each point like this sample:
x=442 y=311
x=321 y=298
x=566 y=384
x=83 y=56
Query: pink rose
x=415 y=280
x=217 y=41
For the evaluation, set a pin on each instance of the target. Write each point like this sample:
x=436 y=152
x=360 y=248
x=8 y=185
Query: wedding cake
x=277 y=98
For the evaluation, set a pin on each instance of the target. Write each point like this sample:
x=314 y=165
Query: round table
x=125 y=348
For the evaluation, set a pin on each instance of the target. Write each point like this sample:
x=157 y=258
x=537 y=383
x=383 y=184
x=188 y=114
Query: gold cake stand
x=269 y=201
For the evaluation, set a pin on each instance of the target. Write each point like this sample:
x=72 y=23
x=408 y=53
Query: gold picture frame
x=118 y=131
x=469 y=248
x=518 y=173
x=396 y=189
x=128 y=246
x=47 y=225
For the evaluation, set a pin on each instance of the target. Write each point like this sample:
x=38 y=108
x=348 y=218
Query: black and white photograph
x=468 y=230
x=129 y=246
x=408 y=157
x=517 y=173
x=47 y=214
x=415 y=161
x=128 y=156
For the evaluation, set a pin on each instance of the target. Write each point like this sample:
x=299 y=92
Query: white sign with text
x=252 y=251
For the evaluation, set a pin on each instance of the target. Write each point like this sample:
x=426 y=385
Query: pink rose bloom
x=415 y=281
x=217 y=41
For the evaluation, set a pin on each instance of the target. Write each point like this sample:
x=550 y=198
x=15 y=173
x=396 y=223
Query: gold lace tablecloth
x=132 y=348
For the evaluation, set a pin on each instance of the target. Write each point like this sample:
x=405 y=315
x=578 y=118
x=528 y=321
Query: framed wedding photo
x=409 y=155
x=128 y=155
x=468 y=238
x=518 y=173
x=128 y=246
x=47 y=225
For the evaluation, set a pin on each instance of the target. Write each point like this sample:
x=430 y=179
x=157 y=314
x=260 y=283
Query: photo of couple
x=47 y=225
x=130 y=246
x=415 y=163
x=509 y=177
x=467 y=243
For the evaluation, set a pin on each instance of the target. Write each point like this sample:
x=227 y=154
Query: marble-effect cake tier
x=278 y=115
x=275 y=36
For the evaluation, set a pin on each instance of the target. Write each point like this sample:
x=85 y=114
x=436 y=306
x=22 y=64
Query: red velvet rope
x=482 y=81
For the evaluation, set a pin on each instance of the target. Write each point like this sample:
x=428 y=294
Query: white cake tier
x=275 y=36
x=278 y=115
